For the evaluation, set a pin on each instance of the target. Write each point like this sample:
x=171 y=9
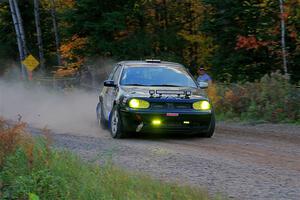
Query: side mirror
x=109 y=83
x=203 y=85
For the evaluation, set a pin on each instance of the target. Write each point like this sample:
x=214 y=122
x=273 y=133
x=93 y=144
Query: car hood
x=140 y=91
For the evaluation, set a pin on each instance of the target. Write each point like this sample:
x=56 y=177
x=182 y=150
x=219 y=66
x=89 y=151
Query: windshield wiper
x=165 y=85
x=162 y=85
x=134 y=84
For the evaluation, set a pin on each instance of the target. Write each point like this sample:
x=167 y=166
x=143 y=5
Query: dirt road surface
x=240 y=161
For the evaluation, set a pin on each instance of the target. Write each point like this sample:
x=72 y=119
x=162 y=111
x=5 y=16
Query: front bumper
x=186 y=121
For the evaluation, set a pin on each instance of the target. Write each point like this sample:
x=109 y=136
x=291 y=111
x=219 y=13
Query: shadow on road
x=164 y=136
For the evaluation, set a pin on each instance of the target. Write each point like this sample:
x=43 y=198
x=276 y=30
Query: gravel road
x=240 y=161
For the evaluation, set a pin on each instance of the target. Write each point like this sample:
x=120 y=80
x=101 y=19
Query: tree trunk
x=57 y=41
x=283 y=45
x=39 y=35
x=19 y=39
x=21 y=28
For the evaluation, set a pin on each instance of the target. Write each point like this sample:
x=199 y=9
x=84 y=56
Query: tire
x=210 y=132
x=100 y=116
x=116 y=127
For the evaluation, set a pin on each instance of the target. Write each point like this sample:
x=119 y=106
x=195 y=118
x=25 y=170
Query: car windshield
x=157 y=76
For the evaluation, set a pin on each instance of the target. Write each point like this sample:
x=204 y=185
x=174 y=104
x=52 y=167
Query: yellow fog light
x=202 y=105
x=156 y=122
x=138 y=103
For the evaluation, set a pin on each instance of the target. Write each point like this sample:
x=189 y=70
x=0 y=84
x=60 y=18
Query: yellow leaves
x=58 y=4
x=192 y=18
x=199 y=45
x=265 y=4
x=70 y=70
x=67 y=3
x=197 y=38
x=197 y=9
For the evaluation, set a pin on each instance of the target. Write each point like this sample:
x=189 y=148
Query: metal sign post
x=30 y=63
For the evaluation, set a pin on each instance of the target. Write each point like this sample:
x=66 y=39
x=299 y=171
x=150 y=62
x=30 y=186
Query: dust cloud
x=72 y=112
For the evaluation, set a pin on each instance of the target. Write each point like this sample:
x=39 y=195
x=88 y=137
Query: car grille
x=159 y=105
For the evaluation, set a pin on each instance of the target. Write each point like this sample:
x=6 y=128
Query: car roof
x=133 y=63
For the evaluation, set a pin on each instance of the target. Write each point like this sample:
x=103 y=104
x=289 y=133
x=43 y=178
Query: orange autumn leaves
x=70 y=50
x=251 y=42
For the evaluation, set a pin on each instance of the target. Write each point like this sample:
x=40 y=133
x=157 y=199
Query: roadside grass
x=31 y=169
x=229 y=117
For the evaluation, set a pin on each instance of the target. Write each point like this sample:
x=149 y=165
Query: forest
x=250 y=48
x=235 y=40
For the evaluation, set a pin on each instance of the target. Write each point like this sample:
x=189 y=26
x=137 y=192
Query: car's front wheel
x=116 y=127
x=210 y=132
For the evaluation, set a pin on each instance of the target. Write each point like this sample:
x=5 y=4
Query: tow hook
x=139 y=127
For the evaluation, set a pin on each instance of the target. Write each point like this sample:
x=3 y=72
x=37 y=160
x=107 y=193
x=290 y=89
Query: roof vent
x=152 y=61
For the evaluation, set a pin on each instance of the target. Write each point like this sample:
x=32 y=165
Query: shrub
x=272 y=99
x=20 y=179
x=9 y=138
x=24 y=165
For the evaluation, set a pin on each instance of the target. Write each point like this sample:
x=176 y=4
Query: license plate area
x=172 y=114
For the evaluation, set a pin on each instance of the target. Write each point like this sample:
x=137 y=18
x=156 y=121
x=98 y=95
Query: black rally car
x=150 y=96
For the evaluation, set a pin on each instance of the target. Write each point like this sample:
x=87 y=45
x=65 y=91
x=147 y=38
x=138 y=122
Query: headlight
x=138 y=103
x=202 y=105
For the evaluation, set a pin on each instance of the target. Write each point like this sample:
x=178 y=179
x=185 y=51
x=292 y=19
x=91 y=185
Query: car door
x=111 y=92
x=104 y=94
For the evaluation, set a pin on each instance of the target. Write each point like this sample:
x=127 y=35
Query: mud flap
x=109 y=120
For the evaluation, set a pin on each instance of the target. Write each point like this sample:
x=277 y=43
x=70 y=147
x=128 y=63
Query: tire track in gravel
x=276 y=154
x=240 y=161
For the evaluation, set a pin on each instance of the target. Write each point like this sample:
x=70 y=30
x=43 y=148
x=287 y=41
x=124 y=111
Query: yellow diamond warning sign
x=30 y=63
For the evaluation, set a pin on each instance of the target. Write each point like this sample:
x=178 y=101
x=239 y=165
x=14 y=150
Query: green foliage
x=271 y=99
x=33 y=196
x=256 y=25
x=25 y=172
